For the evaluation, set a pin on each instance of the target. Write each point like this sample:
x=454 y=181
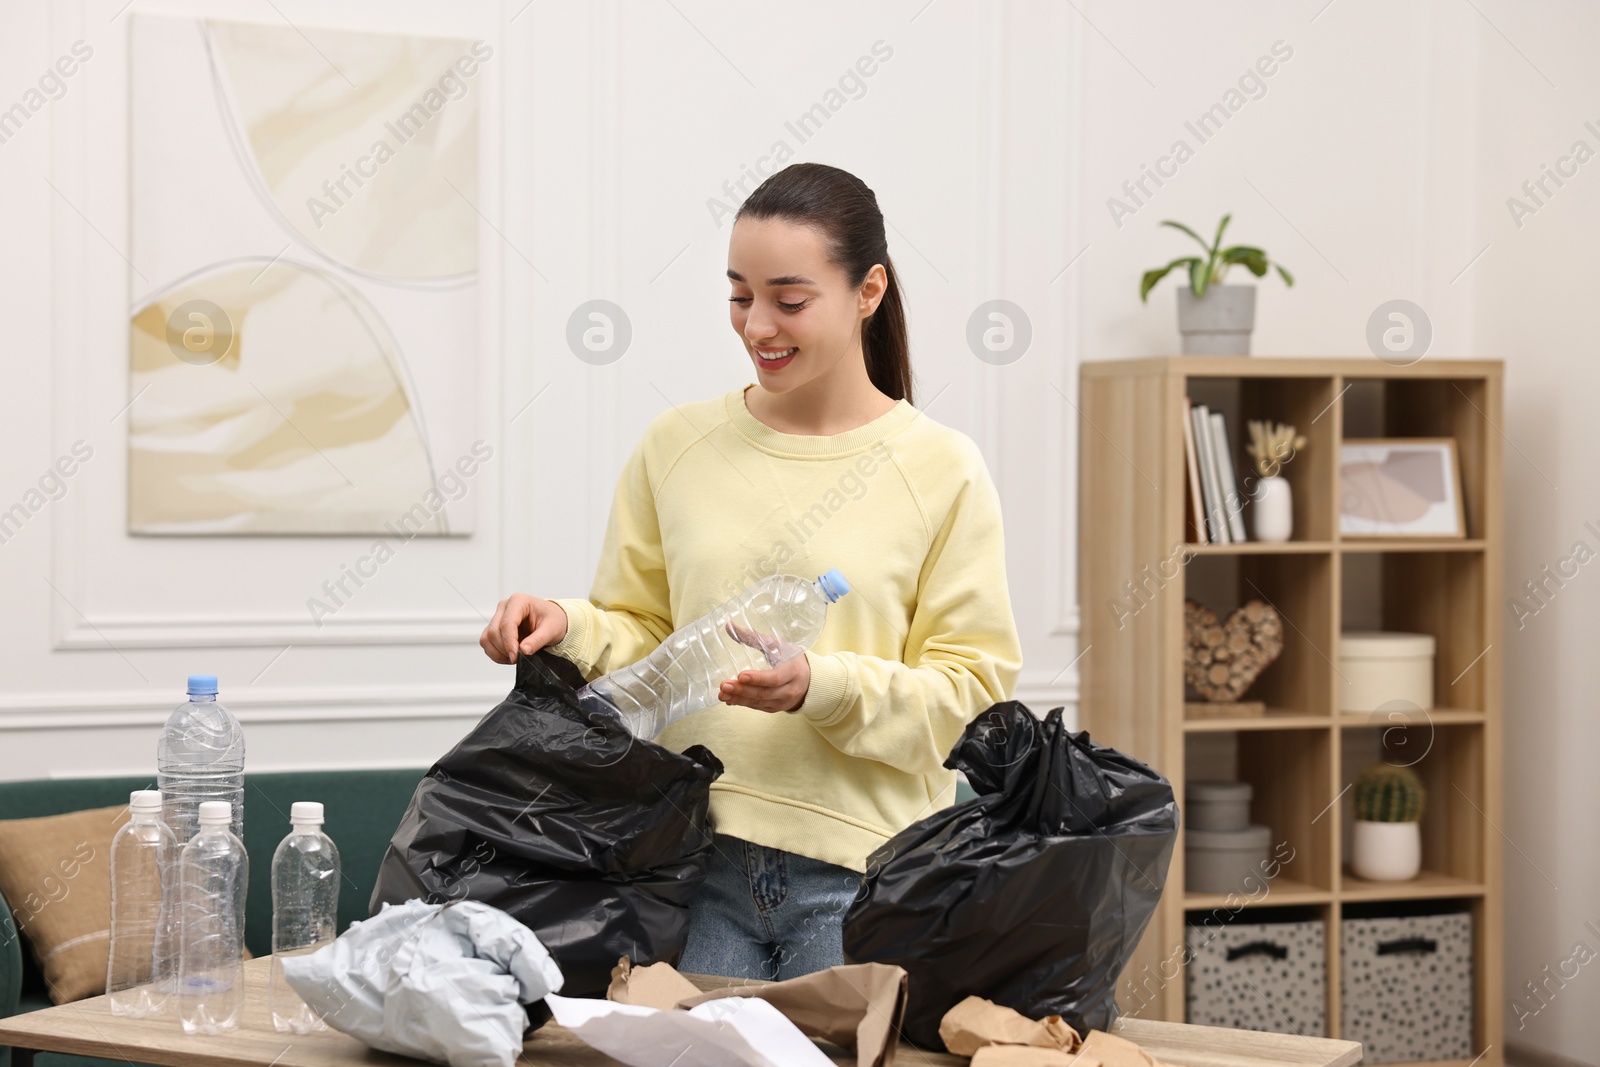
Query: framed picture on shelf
x=1400 y=487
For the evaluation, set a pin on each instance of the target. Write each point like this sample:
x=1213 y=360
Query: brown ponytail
x=841 y=206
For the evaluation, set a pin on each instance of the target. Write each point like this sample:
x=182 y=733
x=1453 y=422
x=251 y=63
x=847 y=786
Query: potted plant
x=1214 y=319
x=1387 y=844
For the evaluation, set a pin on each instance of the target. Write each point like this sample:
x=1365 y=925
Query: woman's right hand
x=524 y=624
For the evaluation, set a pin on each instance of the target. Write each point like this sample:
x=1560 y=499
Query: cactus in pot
x=1386 y=793
x=1386 y=845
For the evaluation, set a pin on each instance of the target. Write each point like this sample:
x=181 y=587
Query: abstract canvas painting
x=304 y=321
x=1400 y=488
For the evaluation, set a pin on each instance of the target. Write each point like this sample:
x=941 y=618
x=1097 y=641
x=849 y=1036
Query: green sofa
x=362 y=808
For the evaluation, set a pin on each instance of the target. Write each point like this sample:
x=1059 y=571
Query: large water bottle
x=213 y=874
x=139 y=966
x=305 y=909
x=770 y=623
x=200 y=758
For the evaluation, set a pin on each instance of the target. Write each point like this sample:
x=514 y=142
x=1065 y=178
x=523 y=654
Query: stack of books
x=1214 y=504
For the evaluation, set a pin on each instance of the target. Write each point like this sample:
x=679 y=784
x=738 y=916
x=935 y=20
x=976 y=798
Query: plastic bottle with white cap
x=213 y=874
x=770 y=623
x=138 y=970
x=305 y=909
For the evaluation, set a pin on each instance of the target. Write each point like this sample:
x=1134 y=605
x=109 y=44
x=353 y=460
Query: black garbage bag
x=1033 y=894
x=595 y=840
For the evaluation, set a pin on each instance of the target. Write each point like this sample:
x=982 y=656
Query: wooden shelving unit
x=1301 y=755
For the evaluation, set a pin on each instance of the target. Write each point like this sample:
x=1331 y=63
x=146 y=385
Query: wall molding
x=1070 y=612
x=94 y=708
x=1049 y=683
x=1069 y=624
x=254 y=631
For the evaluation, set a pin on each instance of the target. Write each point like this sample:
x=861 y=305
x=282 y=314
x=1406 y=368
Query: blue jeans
x=766 y=913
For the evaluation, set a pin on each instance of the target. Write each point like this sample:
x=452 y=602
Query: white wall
x=1535 y=309
x=610 y=127
x=1376 y=165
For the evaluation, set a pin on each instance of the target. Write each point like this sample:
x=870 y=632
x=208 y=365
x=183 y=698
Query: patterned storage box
x=1406 y=990
x=1258 y=976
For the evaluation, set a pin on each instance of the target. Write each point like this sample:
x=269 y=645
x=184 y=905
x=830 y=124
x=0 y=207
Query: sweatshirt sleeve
x=962 y=654
x=628 y=613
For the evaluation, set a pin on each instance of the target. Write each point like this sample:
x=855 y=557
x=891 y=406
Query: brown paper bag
x=976 y=1022
x=656 y=986
x=997 y=1036
x=857 y=1006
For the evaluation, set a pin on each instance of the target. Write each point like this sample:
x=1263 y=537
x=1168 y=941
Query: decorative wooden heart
x=1223 y=659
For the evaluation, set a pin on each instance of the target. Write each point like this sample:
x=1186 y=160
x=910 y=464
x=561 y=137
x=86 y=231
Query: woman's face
x=788 y=298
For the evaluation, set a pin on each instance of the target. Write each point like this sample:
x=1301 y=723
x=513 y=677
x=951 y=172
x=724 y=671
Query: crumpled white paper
x=443 y=982
x=729 y=1032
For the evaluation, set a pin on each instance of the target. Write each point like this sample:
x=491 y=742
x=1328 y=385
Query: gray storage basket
x=1406 y=987
x=1258 y=976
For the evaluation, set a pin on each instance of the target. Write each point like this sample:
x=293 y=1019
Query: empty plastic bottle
x=200 y=757
x=139 y=967
x=213 y=874
x=305 y=909
x=770 y=623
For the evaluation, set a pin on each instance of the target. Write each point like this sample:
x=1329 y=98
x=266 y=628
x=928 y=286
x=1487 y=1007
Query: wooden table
x=87 y=1028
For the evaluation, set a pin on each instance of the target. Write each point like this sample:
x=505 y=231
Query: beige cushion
x=55 y=873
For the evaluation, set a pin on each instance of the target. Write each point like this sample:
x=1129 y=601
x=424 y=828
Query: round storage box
x=1378 y=669
x=1226 y=861
x=1217 y=805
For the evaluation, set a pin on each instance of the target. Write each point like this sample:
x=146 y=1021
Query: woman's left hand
x=783 y=688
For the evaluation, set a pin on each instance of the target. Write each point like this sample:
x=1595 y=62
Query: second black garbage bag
x=1033 y=894
x=593 y=839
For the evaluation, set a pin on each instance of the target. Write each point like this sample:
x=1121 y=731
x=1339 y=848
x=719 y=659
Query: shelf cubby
x=1440 y=593
x=1300 y=586
x=1301 y=754
x=1305 y=403
x=1279 y=923
x=1450 y=761
x=1457 y=407
x=1484 y=1017
x=1290 y=774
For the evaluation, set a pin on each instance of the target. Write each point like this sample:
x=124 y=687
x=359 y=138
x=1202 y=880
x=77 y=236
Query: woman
x=821 y=463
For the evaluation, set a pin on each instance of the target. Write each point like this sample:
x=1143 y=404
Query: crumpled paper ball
x=441 y=982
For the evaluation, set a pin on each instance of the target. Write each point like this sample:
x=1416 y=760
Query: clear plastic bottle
x=305 y=909
x=213 y=874
x=138 y=968
x=200 y=757
x=770 y=623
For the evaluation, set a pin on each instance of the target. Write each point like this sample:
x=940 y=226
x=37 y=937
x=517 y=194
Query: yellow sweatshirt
x=711 y=501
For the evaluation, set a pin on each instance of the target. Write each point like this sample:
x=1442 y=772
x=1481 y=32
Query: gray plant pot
x=1219 y=323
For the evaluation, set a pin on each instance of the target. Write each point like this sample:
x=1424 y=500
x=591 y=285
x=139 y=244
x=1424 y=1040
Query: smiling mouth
x=776 y=355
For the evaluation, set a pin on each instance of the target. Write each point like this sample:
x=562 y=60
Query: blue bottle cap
x=834 y=585
x=201 y=685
